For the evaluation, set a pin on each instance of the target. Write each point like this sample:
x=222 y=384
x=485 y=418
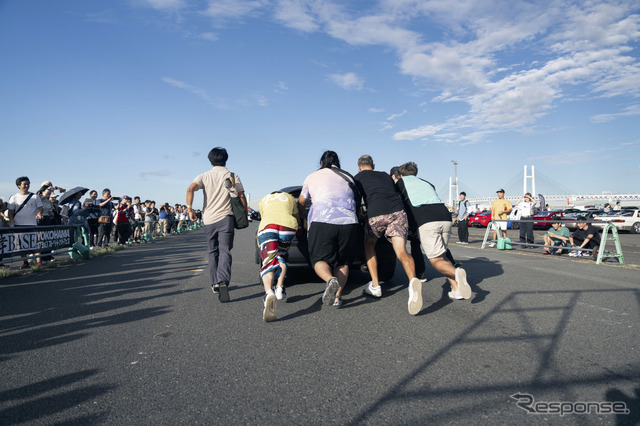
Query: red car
x=543 y=220
x=480 y=219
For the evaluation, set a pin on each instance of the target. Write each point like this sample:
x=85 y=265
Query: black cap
x=500 y=190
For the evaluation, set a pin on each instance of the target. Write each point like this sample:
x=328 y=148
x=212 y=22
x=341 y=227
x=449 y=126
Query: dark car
x=299 y=250
x=572 y=218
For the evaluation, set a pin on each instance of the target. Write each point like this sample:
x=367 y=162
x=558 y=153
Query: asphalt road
x=137 y=337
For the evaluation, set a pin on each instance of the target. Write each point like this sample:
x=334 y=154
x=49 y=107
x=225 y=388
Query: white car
x=625 y=220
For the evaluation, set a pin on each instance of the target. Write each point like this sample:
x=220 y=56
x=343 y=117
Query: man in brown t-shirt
x=217 y=217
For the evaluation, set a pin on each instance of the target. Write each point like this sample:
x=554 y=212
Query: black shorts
x=335 y=244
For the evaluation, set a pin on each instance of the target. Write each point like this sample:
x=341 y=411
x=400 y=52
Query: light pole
x=455 y=181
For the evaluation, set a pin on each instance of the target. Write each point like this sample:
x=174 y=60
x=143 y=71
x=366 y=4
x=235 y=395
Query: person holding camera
x=105 y=224
x=125 y=212
x=163 y=218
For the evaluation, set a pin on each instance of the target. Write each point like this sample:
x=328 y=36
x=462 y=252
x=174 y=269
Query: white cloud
x=231 y=9
x=295 y=14
x=348 y=81
x=166 y=4
x=392 y=117
x=254 y=99
x=376 y=110
x=629 y=111
x=201 y=93
x=281 y=87
x=208 y=36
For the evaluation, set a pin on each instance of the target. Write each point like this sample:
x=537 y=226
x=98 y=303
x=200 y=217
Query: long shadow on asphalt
x=539 y=321
x=42 y=399
x=62 y=305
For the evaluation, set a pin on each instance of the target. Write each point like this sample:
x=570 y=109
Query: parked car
x=624 y=220
x=480 y=219
x=589 y=215
x=571 y=210
x=254 y=215
x=299 y=250
x=543 y=220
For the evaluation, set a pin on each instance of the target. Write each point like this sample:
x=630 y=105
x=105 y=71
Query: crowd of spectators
x=122 y=219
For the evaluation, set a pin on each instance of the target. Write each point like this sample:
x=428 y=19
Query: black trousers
x=463 y=231
x=124 y=232
x=104 y=232
x=526 y=232
x=93 y=231
x=417 y=255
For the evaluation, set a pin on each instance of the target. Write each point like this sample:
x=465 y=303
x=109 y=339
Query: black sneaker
x=223 y=294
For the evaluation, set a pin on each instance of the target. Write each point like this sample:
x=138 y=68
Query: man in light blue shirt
x=463 y=219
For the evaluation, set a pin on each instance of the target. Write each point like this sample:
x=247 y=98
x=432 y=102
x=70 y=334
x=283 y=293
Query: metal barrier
x=23 y=242
x=602 y=254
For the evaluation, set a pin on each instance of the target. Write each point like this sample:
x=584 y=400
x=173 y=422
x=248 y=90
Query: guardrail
x=602 y=254
x=23 y=242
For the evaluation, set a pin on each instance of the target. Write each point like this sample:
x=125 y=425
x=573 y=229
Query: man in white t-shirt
x=217 y=217
x=25 y=209
x=525 y=207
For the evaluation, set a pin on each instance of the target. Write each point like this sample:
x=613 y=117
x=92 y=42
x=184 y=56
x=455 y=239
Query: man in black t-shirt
x=586 y=236
x=385 y=218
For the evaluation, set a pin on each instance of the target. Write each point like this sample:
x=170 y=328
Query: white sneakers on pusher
x=463 y=291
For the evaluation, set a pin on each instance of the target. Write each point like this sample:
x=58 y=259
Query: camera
x=116 y=198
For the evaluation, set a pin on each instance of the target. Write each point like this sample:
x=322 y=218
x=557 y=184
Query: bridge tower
x=533 y=180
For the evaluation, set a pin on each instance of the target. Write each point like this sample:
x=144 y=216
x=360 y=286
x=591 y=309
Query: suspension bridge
x=555 y=193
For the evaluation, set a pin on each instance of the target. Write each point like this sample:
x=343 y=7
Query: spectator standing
x=163 y=218
x=104 y=220
x=333 y=225
x=525 y=208
x=618 y=206
x=218 y=218
x=4 y=215
x=433 y=221
x=500 y=210
x=385 y=218
x=25 y=209
x=463 y=219
x=278 y=227
x=585 y=236
x=125 y=212
x=150 y=217
x=138 y=217
x=92 y=218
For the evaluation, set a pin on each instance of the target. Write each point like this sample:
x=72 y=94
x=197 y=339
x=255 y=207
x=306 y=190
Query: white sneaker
x=281 y=294
x=492 y=245
x=455 y=295
x=575 y=254
x=373 y=291
x=415 y=296
x=270 y=302
x=463 y=286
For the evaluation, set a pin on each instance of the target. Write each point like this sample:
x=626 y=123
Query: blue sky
x=132 y=94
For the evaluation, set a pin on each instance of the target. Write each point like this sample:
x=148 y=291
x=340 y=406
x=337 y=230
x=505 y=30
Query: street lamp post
x=455 y=182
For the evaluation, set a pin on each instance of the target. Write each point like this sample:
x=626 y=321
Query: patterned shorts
x=274 y=242
x=389 y=225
